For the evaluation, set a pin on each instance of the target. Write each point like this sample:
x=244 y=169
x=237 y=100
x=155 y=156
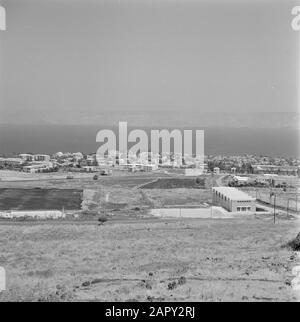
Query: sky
x=78 y=59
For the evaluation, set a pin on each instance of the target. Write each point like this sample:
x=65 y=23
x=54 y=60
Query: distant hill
x=162 y=118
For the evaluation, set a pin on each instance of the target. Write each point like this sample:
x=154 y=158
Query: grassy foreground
x=170 y=260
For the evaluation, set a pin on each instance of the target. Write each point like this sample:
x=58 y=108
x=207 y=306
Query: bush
x=294 y=244
x=200 y=181
x=181 y=280
x=172 y=285
x=102 y=220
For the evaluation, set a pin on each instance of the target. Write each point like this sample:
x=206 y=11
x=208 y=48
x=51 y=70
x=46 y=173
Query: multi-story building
x=10 y=161
x=34 y=157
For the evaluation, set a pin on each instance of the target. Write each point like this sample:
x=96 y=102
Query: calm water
x=53 y=138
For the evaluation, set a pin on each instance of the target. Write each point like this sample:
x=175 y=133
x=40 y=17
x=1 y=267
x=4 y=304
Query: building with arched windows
x=233 y=200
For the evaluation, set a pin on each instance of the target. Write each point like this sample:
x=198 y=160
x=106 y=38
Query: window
x=238 y=208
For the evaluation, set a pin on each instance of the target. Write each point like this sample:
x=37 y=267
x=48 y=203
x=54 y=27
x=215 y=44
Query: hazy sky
x=81 y=57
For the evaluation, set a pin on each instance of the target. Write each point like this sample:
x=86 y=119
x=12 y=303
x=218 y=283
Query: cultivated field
x=168 y=260
x=40 y=199
x=175 y=183
x=107 y=193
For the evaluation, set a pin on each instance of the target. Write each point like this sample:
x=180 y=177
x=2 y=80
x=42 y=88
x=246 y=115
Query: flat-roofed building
x=277 y=169
x=26 y=157
x=216 y=170
x=38 y=167
x=240 y=179
x=41 y=157
x=233 y=200
x=10 y=161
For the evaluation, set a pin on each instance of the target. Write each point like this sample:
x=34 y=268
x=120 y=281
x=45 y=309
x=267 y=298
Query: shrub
x=181 y=280
x=172 y=285
x=102 y=220
x=199 y=181
x=294 y=244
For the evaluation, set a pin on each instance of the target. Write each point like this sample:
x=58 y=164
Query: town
x=147 y=161
x=260 y=177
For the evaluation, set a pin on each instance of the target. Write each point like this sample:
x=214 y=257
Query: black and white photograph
x=149 y=153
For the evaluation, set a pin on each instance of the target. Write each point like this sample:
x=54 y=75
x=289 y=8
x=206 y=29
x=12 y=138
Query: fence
x=288 y=201
x=47 y=214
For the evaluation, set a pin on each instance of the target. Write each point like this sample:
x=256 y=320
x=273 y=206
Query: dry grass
x=188 y=260
x=171 y=197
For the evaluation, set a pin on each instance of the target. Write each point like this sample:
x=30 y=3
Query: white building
x=233 y=200
x=11 y=161
x=41 y=158
x=34 y=157
x=38 y=167
x=58 y=155
x=26 y=157
x=240 y=179
x=216 y=170
x=90 y=168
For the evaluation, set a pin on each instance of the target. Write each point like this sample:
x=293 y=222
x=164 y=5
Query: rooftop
x=233 y=193
x=11 y=159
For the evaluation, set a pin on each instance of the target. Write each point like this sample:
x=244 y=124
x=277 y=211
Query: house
x=10 y=161
x=216 y=170
x=233 y=200
x=240 y=179
x=38 y=167
x=233 y=170
x=275 y=169
x=34 y=157
x=26 y=157
x=90 y=168
x=41 y=158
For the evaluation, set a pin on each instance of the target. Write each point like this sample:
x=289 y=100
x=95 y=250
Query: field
x=135 y=256
x=119 y=178
x=40 y=199
x=167 y=260
x=124 y=192
x=177 y=197
x=174 y=183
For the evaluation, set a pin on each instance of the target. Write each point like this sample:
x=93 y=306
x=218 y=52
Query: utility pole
x=287 y=207
x=274 y=208
x=271 y=195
